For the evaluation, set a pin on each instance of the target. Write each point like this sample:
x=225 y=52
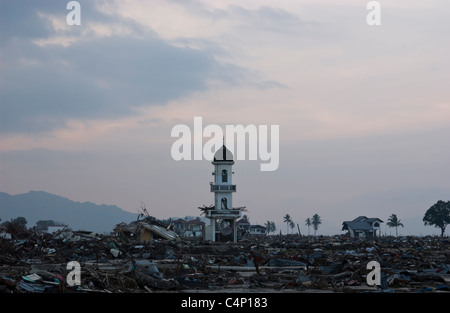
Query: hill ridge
x=41 y=205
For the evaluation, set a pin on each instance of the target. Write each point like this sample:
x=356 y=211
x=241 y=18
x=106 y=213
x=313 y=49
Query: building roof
x=195 y=222
x=373 y=219
x=223 y=155
x=161 y=231
x=366 y=219
x=243 y=221
x=359 y=218
x=257 y=226
x=361 y=223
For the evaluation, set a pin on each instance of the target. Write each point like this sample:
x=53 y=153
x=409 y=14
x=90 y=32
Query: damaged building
x=362 y=227
x=146 y=230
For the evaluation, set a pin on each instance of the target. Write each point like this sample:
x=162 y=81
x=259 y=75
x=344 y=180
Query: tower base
x=212 y=230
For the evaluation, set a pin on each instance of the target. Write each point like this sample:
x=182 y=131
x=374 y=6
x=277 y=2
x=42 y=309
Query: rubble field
x=124 y=263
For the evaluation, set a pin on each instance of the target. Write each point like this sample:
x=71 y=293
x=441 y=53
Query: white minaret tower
x=222 y=187
x=223 y=194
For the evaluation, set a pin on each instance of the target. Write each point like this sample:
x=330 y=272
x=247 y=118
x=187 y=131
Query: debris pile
x=146 y=256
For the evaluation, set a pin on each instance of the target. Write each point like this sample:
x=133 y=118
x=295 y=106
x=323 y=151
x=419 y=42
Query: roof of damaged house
x=243 y=221
x=195 y=222
x=161 y=231
x=150 y=224
x=361 y=223
x=257 y=227
x=366 y=219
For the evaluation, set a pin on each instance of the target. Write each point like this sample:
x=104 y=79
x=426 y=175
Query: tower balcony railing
x=224 y=213
x=224 y=188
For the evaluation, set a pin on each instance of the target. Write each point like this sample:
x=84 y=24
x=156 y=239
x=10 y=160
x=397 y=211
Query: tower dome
x=223 y=155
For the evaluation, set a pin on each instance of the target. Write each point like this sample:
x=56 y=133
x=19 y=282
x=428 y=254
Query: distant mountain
x=39 y=205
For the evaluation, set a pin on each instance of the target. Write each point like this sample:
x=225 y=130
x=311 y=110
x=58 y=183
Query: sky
x=86 y=111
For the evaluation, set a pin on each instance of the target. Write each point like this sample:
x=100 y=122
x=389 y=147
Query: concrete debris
x=146 y=230
x=147 y=256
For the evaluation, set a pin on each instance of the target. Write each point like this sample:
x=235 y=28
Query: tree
x=270 y=227
x=292 y=226
x=308 y=223
x=316 y=221
x=274 y=228
x=16 y=227
x=393 y=221
x=287 y=220
x=20 y=221
x=267 y=226
x=438 y=215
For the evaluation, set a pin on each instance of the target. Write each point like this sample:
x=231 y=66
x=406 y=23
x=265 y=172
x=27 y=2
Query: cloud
x=21 y=19
x=100 y=70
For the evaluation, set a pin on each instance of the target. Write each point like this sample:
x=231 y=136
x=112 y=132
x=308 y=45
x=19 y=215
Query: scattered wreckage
x=147 y=256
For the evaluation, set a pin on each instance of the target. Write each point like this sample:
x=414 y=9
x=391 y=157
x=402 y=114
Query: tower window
x=224 y=176
x=224 y=205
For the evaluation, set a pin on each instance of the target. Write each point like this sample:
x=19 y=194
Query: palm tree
x=270 y=227
x=292 y=226
x=267 y=225
x=393 y=221
x=316 y=221
x=287 y=220
x=308 y=223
